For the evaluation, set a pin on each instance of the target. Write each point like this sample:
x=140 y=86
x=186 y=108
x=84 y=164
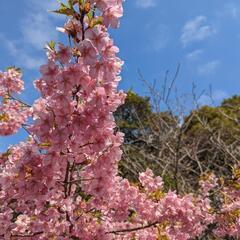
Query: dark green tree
x=207 y=140
x=143 y=145
x=133 y=116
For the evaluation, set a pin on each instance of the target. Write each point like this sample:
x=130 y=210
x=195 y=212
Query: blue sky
x=155 y=35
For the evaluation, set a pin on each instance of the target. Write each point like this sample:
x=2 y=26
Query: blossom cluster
x=63 y=183
x=13 y=113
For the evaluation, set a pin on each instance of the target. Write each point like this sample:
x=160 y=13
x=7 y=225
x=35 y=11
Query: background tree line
x=179 y=148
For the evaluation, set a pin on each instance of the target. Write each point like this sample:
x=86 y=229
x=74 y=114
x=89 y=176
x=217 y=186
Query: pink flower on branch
x=63 y=182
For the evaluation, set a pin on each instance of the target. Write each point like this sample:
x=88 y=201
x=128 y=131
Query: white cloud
x=43 y=4
x=209 y=68
x=37 y=29
x=146 y=3
x=234 y=11
x=219 y=95
x=194 y=55
x=215 y=98
x=231 y=10
x=28 y=61
x=159 y=37
x=196 y=30
x=21 y=57
x=38 y=25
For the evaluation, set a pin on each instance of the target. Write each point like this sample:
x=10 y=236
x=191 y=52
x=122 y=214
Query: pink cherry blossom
x=62 y=182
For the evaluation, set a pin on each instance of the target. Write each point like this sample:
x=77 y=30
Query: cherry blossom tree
x=62 y=182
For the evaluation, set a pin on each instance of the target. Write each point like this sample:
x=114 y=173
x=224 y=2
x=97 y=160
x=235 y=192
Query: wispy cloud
x=146 y=3
x=209 y=68
x=160 y=37
x=197 y=29
x=21 y=57
x=232 y=10
x=37 y=27
x=229 y=10
x=194 y=55
x=37 y=30
x=44 y=5
x=214 y=98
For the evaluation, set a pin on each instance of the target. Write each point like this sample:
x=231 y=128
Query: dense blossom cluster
x=12 y=112
x=228 y=217
x=62 y=183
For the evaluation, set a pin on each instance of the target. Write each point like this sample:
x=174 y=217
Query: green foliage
x=67 y=10
x=19 y=70
x=96 y=21
x=133 y=116
x=169 y=182
x=210 y=137
x=71 y=3
x=136 y=119
x=208 y=120
x=84 y=8
x=51 y=45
